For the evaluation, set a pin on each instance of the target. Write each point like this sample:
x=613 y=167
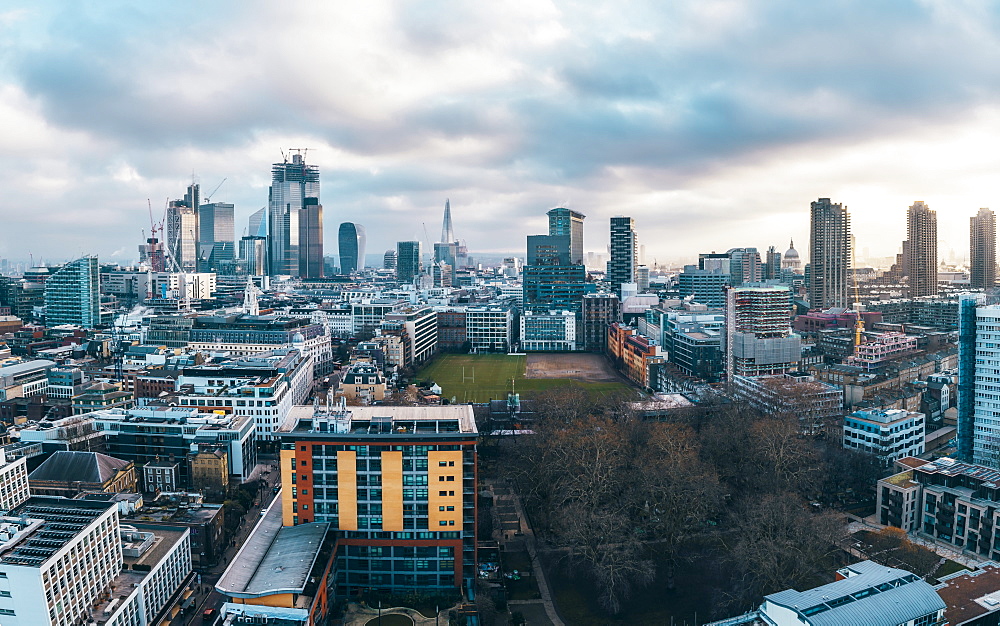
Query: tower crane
x=208 y=198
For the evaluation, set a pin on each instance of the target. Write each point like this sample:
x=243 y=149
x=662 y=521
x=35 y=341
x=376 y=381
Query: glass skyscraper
x=407 y=261
x=351 y=244
x=291 y=184
x=73 y=294
x=570 y=223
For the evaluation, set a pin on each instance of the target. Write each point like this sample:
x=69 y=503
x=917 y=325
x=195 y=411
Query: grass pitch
x=484 y=377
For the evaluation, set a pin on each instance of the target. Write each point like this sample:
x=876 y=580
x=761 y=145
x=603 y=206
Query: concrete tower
x=921 y=232
x=829 y=254
x=983 y=250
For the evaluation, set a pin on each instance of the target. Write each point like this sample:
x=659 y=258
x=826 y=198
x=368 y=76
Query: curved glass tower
x=351 y=243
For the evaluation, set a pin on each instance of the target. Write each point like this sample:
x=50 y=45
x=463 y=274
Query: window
x=440 y=508
x=442 y=493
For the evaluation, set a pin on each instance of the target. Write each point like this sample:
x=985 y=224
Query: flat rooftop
x=274 y=558
x=971 y=595
x=455 y=419
x=43 y=525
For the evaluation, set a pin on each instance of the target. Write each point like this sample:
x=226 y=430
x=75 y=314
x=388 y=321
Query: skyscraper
x=311 y=239
x=772 y=266
x=983 y=250
x=570 y=223
x=447 y=233
x=73 y=294
x=389 y=260
x=829 y=254
x=759 y=337
x=921 y=232
x=744 y=265
x=216 y=235
x=291 y=184
x=257 y=224
x=253 y=252
x=624 y=249
x=182 y=230
x=408 y=264
x=351 y=244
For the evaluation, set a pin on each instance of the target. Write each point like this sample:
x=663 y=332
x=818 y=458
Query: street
x=207 y=596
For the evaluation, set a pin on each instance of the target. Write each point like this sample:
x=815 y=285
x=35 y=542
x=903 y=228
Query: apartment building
x=398 y=486
x=886 y=434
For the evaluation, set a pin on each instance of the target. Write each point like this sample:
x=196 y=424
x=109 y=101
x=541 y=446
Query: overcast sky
x=713 y=123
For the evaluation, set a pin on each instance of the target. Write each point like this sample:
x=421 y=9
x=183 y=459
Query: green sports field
x=484 y=377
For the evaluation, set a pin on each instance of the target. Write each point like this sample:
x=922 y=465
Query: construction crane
x=859 y=323
x=208 y=198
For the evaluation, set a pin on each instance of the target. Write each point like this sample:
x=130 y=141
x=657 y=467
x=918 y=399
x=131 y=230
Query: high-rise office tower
x=447 y=232
x=983 y=250
x=389 y=260
x=829 y=254
x=311 y=239
x=921 y=232
x=408 y=264
x=292 y=183
x=351 y=244
x=759 y=337
x=744 y=265
x=570 y=223
x=73 y=294
x=772 y=266
x=182 y=230
x=624 y=250
x=253 y=252
x=216 y=235
x=257 y=224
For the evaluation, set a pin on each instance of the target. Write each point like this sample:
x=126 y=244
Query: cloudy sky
x=714 y=123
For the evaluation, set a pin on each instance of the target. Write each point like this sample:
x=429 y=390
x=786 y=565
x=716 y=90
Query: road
x=207 y=596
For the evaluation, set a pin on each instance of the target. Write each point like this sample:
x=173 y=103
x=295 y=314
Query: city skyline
x=538 y=114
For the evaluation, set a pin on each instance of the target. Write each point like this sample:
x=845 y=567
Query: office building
x=548 y=331
x=408 y=264
x=168 y=434
x=704 y=286
x=389 y=260
x=418 y=328
x=24 y=379
x=13 y=482
x=489 y=328
x=398 y=485
x=600 y=310
x=46 y=540
x=548 y=287
x=829 y=254
x=293 y=184
x=351 y=245
x=73 y=294
x=311 y=239
x=253 y=253
x=744 y=266
x=565 y=222
x=888 y=435
x=759 y=337
x=772 y=264
x=983 y=250
x=257 y=223
x=182 y=231
x=216 y=235
x=921 y=233
x=624 y=251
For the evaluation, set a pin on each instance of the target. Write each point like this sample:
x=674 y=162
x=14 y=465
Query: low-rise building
x=632 y=353
x=161 y=476
x=210 y=470
x=952 y=503
x=887 y=435
x=363 y=382
x=189 y=511
x=551 y=331
x=24 y=379
x=102 y=396
x=68 y=473
x=819 y=406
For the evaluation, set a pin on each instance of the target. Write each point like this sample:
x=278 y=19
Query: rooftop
x=274 y=558
x=456 y=419
x=971 y=595
x=87 y=467
x=40 y=527
x=870 y=594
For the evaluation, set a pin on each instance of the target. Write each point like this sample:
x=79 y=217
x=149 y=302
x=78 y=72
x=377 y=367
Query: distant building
x=389 y=260
x=704 y=286
x=294 y=211
x=567 y=222
x=921 y=233
x=600 y=310
x=550 y=331
x=216 y=235
x=829 y=254
x=633 y=354
x=408 y=263
x=983 y=250
x=182 y=231
x=624 y=253
x=101 y=396
x=351 y=242
x=73 y=294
